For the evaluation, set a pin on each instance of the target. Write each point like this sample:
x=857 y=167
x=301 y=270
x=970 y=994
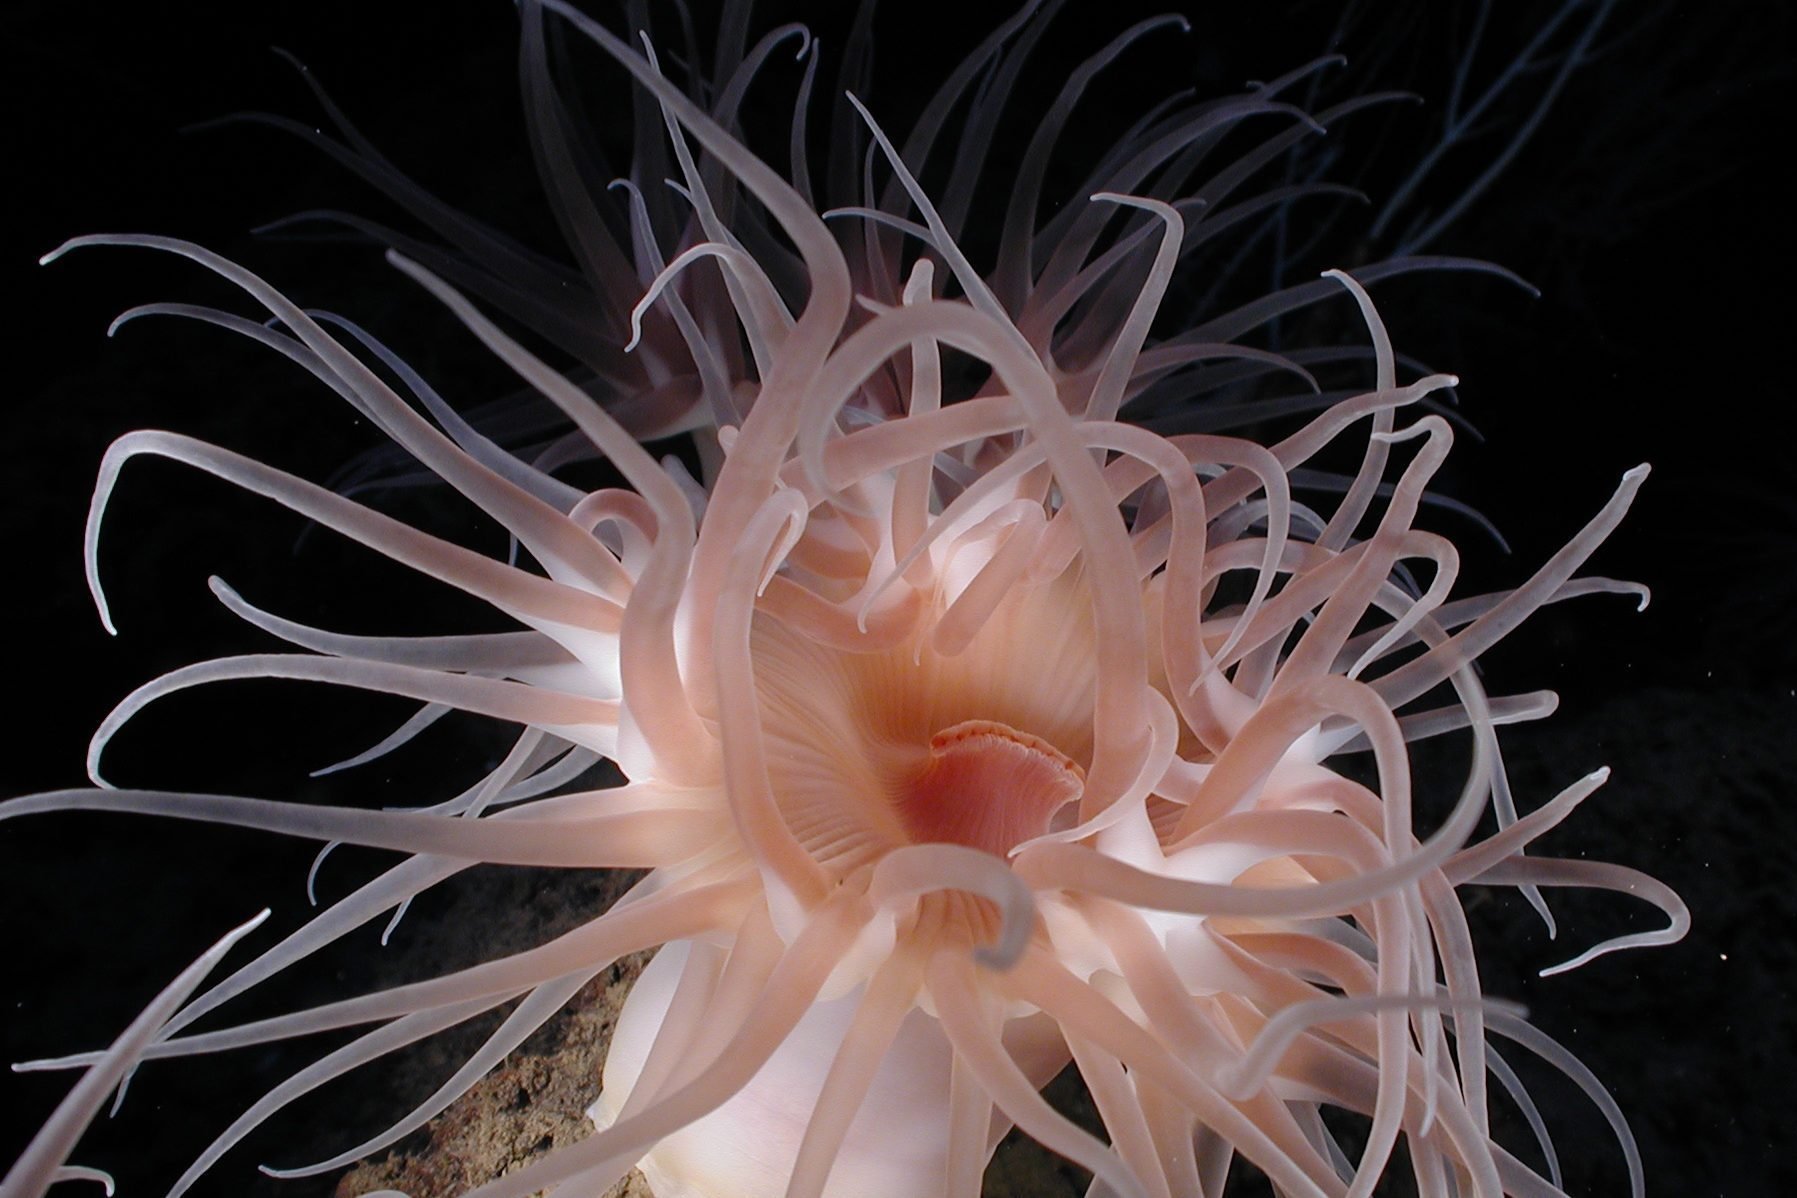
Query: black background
x=1652 y=206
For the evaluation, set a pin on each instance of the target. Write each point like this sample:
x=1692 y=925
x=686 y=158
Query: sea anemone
x=967 y=728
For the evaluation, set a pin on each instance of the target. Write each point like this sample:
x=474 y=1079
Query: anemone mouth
x=872 y=751
x=988 y=786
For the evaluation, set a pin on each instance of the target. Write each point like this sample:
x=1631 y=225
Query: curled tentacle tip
x=1232 y=1085
x=1013 y=939
x=128 y=315
x=1638 y=473
x=59 y=251
x=996 y=957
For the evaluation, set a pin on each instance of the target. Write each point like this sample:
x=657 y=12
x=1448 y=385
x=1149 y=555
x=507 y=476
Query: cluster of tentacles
x=965 y=734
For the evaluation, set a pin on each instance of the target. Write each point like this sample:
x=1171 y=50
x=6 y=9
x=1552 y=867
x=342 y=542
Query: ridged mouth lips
x=988 y=786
